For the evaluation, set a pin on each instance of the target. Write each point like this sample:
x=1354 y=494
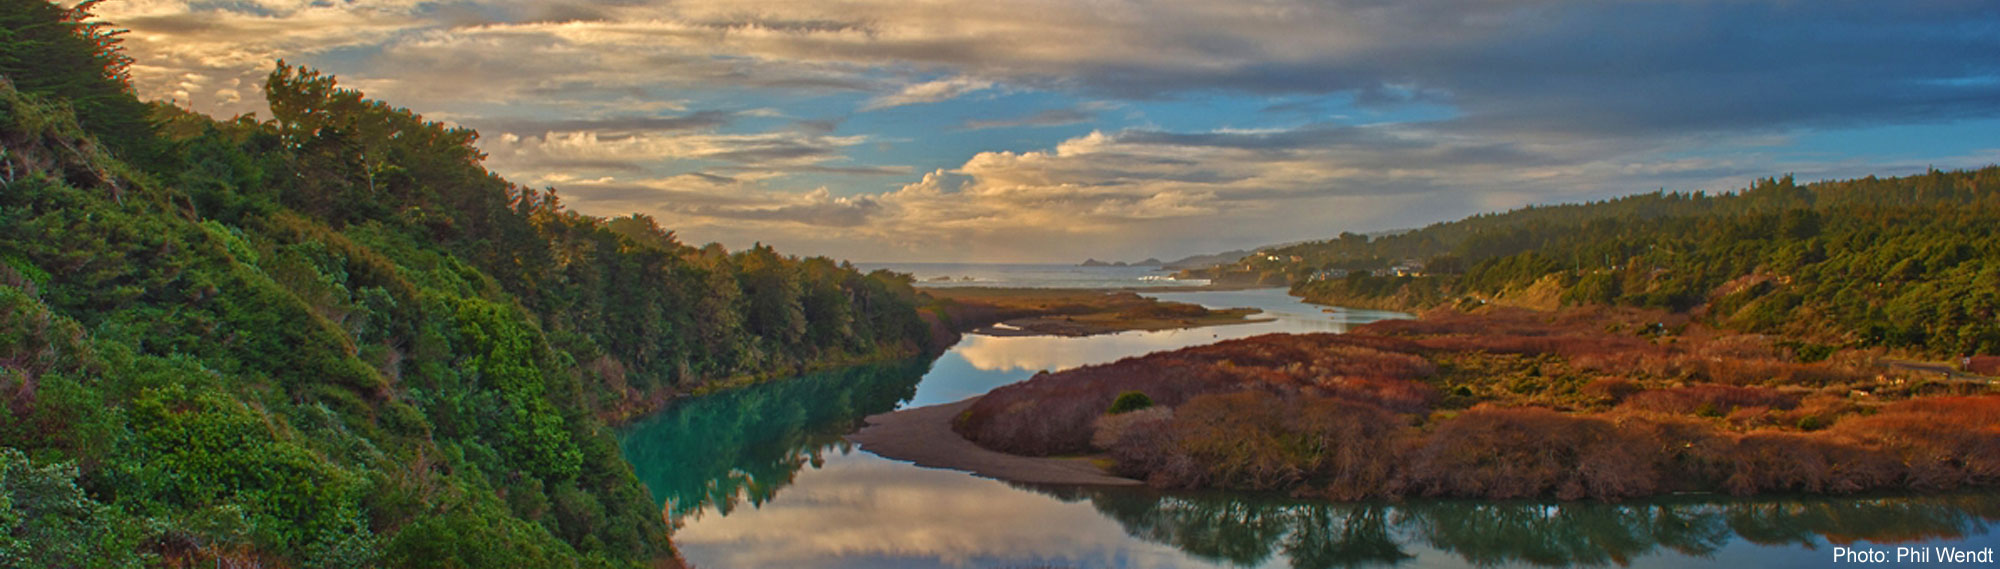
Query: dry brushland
x=1586 y=402
x=1074 y=312
x=913 y=435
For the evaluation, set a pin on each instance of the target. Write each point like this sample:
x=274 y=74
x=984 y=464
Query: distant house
x=1328 y=274
x=1407 y=268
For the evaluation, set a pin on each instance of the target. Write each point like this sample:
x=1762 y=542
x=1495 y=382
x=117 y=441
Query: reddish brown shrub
x=1817 y=411
x=1753 y=372
x=1690 y=453
x=1947 y=442
x=1042 y=416
x=1109 y=429
x=1145 y=450
x=1710 y=400
x=1258 y=440
x=1053 y=413
x=1527 y=452
x=1979 y=411
x=1327 y=414
x=1571 y=333
x=1792 y=462
x=1736 y=347
x=1748 y=417
x=1363 y=361
x=1394 y=395
x=1739 y=372
x=1612 y=390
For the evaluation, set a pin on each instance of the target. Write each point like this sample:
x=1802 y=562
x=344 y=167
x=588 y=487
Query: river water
x=761 y=478
x=945 y=275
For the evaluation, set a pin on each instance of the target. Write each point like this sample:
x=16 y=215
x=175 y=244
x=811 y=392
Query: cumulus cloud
x=579 y=153
x=1565 y=64
x=1051 y=117
x=703 y=200
x=1136 y=192
x=1551 y=64
x=699 y=120
x=928 y=92
x=199 y=52
x=1534 y=101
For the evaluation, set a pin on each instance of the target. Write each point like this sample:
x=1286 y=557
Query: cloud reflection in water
x=860 y=510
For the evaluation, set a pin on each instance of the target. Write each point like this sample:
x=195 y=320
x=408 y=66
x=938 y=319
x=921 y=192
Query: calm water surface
x=760 y=478
x=1033 y=275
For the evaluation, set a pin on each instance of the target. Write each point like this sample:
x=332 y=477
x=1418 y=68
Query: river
x=761 y=478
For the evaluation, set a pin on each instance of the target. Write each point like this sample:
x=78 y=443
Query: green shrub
x=1810 y=353
x=1811 y=423
x=1128 y=402
x=47 y=521
x=1708 y=410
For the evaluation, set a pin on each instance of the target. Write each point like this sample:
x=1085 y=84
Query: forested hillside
x=1900 y=262
x=331 y=338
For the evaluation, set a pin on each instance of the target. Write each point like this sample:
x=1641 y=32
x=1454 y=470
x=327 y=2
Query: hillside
x=1897 y=262
x=333 y=339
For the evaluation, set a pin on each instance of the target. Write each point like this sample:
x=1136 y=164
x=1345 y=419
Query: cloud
x=850 y=170
x=721 y=199
x=1515 y=103
x=1051 y=117
x=628 y=149
x=1144 y=192
x=1549 y=65
x=699 y=120
x=928 y=92
x=194 y=51
x=1543 y=66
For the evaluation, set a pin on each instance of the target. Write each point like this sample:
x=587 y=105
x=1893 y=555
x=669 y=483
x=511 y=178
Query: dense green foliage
x=1901 y=262
x=333 y=339
x=1128 y=402
x=46 y=48
x=47 y=521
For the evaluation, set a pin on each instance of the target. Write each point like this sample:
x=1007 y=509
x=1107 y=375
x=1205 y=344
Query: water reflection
x=1276 y=303
x=1247 y=531
x=720 y=450
x=862 y=511
x=857 y=510
x=1281 y=312
x=980 y=363
x=1031 y=353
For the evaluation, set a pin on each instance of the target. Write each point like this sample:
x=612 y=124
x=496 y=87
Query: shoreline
x=923 y=436
x=1068 y=327
x=1075 y=312
x=1105 y=289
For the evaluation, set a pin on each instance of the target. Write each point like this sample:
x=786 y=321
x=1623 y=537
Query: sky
x=1055 y=130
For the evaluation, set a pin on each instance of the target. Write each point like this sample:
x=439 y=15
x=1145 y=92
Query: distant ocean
x=1033 y=275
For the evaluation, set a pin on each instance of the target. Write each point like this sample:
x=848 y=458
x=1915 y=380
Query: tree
x=61 y=54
